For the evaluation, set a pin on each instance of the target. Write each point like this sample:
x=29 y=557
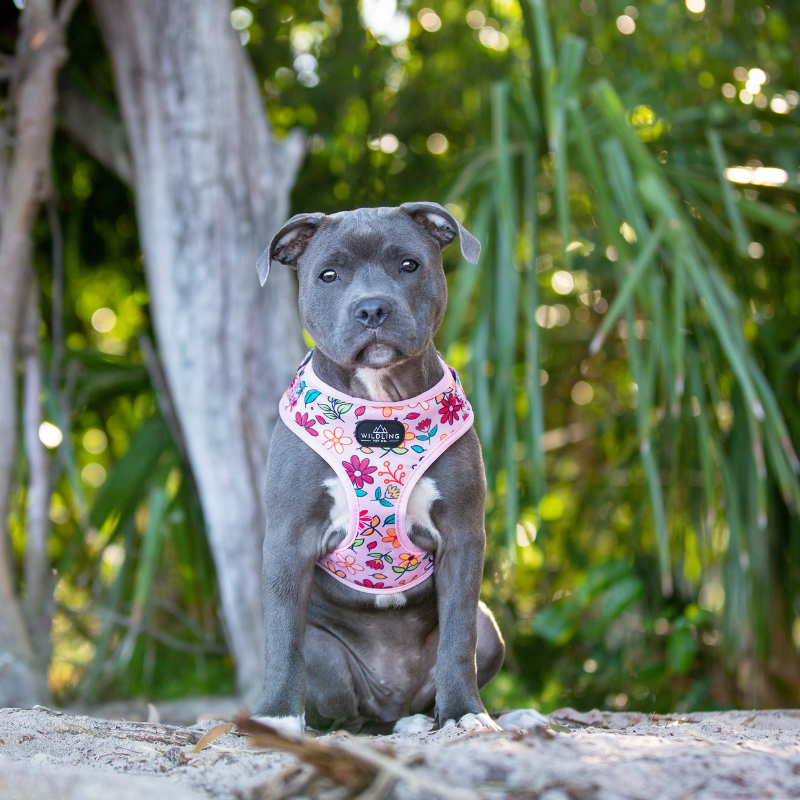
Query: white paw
x=418 y=723
x=472 y=722
x=522 y=719
x=291 y=726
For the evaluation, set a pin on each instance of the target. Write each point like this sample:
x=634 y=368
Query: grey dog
x=372 y=295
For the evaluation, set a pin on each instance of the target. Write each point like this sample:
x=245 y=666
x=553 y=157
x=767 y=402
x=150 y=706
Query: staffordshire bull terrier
x=375 y=539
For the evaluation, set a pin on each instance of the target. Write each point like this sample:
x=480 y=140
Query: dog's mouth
x=378 y=355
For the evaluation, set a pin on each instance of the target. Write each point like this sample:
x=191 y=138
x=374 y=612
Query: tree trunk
x=38 y=581
x=211 y=188
x=40 y=53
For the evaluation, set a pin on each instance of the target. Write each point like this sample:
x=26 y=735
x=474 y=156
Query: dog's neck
x=409 y=379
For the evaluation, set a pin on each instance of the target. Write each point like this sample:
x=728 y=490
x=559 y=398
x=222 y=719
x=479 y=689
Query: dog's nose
x=373 y=313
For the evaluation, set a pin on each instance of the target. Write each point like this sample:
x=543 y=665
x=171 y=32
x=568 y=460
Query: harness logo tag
x=380 y=433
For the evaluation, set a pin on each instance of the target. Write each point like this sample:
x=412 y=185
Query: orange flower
x=337 y=572
x=349 y=563
x=391 y=537
x=408 y=560
x=336 y=440
x=387 y=410
x=409 y=434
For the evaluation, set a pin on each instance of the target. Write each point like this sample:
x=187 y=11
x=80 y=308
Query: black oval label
x=380 y=433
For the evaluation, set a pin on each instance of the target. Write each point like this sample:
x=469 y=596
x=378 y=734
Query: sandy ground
x=735 y=754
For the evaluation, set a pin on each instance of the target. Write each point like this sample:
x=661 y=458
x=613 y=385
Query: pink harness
x=379 y=452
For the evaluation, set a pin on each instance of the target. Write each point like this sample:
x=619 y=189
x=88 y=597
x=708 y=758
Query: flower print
x=337 y=572
x=424 y=425
x=294 y=391
x=408 y=561
x=375 y=564
x=359 y=471
x=304 y=422
x=392 y=491
x=387 y=410
x=349 y=563
x=368 y=525
x=450 y=408
x=391 y=537
x=409 y=434
x=336 y=440
x=368 y=584
x=423 y=404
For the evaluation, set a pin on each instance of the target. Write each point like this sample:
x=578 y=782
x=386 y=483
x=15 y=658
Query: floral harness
x=379 y=463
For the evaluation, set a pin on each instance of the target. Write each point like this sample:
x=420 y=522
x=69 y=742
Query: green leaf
x=399 y=570
x=358 y=543
x=345 y=408
x=128 y=479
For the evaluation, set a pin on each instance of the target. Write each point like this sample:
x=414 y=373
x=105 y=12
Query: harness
x=379 y=452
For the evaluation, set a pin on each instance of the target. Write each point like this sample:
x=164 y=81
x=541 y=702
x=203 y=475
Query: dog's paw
x=418 y=723
x=473 y=722
x=522 y=719
x=291 y=726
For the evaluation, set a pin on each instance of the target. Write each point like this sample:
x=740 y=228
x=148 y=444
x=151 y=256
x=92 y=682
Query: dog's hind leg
x=331 y=696
x=491 y=648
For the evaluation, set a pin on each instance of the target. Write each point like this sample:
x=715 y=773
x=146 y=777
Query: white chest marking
x=372 y=379
x=340 y=513
x=395 y=600
x=419 y=507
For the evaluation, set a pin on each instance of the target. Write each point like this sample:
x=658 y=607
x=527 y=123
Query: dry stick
x=352 y=764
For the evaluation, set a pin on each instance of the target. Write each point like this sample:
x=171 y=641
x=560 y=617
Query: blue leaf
x=417 y=449
x=311 y=396
x=385 y=503
x=360 y=493
x=389 y=520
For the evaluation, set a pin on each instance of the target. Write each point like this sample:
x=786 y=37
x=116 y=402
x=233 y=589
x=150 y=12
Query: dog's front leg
x=288 y=579
x=459 y=570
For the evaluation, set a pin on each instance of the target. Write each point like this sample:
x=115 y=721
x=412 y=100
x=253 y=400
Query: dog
x=345 y=650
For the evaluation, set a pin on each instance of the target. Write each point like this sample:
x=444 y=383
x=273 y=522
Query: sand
x=734 y=754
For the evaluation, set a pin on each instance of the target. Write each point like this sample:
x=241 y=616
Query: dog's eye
x=409 y=265
x=329 y=276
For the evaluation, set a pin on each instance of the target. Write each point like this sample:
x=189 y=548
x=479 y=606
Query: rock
x=522 y=719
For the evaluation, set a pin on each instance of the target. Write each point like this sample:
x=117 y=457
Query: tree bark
x=40 y=53
x=211 y=188
x=38 y=605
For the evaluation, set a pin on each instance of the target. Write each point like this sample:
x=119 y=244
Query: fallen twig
x=361 y=768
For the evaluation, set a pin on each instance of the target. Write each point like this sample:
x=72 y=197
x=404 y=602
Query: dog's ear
x=444 y=227
x=288 y=243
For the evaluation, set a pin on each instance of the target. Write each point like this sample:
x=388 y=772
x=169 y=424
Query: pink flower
x=450 y=408
x=359 y=471
x=304 y=422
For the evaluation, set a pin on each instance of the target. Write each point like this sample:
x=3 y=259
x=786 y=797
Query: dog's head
x=372 y=288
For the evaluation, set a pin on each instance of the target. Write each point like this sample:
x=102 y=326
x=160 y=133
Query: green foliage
x=628 y=340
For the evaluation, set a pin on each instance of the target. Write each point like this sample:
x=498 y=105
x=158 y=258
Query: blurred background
x=630 y=339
